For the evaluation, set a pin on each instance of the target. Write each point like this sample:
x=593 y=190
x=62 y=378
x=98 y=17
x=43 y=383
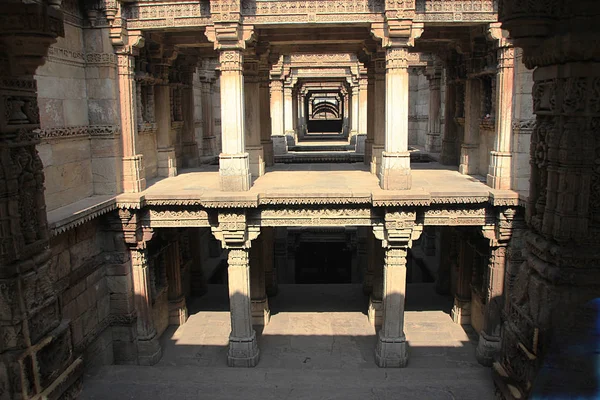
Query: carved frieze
x=173 y=217
x=456 y=11
x=457 y=217
x=86 y=131
x=306 y=216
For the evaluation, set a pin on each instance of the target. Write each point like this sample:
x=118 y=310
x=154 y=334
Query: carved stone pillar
x=376 y=261
x=265 y=114
x=500 y=171
x=149 y=350
x=395 y=162
x=370 y=113
x=234 y=167
x=449 y=156
x=167 y=161
x=236 y=237
x=134 y=176
x=368 y=274
x=301 y=130
x=433 y=142
x=379 y=113
x=189 y=145
x=346 y=116
x=461 y=311
x=260 y=303
x=288 y=114
x=209 y=143
x=362 y=113
x=354 y=114
x=396 y=235
x=469 y=150
x=177 y=307
x=252 y=118
x=36 y=348
x=547 y=302
x=277 y=118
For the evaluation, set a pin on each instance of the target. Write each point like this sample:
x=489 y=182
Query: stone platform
x=318 y=345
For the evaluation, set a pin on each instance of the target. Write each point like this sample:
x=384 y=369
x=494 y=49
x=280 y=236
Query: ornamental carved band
x=238 y=258
x=231 y=60
x=506 y=57
x=396 y=58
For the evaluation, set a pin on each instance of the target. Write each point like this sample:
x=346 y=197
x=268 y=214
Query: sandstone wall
x=77 y=96
x=80 y=270
x=523 y=124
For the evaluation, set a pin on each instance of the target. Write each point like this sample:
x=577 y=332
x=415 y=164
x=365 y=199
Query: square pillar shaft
x=167 y=162
x=277 y=118
x=234 y=167
x=243 y=349
x=395 y=164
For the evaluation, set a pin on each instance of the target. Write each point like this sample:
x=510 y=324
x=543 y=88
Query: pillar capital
x=233 y=230
x=399 y=229
x=396 y=33
x=229 y=35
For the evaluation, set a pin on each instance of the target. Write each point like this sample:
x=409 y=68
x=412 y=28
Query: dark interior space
x=318 y=262
x=324 y=125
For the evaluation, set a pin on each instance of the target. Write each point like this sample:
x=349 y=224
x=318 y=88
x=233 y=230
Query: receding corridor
x=318 y=345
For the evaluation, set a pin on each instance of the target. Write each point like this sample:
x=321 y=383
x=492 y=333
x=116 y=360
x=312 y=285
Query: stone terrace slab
x=325 y=184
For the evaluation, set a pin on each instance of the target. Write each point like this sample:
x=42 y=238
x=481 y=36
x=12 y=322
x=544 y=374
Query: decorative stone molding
x=458 y=217
x=87 y=131
x=456 y=11
x=314 y=217
x=166 y=218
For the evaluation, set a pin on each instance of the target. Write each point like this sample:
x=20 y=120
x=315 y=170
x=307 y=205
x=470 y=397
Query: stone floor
x=323 y=178
x=318 y=345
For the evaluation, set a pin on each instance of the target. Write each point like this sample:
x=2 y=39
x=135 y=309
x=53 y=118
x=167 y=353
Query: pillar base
x=290 y=137
x=391 y=352
x=256 y=161
x=267 y=146
x=432 y=143
x=499 y=170
x=360 y=143
x=190 y=154
x=167 y=162
x=449 y=156
x=149 y=351
x=488 y=348
x=209 y=146
x=134 y=175
x=395 y=171
x=279 y=144
x=261 y=314
x=468 y=159
x=234 y=170
x=178 y=313
x=375 y=311
x=376 y=151
x=461 y=312
x=243 y=352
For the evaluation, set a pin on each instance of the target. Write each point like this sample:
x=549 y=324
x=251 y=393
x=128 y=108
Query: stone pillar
x=268 y=260
x=189 y=145
x=148 y=347
x=391 y=351
x=461 y=311
x=376 y=260
x=563 y=212
x=288 y=115
x=277 y=118
x=395 y=162
x=134 y=175
x=470 y=146
x=362 y=113
x=209 y=145
x=234 y=167
x=280 y=252
x=260 y=303
x=252 y=115
x=177 y=308
x=265 y=113
x=368 y=274
x=433 y=142
x=346 y=116
x=354 y=114
x=236 y=237
x=167 y=162
x=488 y=346
x=379 y=113
x=500 y=171
x=449 y=156
x=370 y=113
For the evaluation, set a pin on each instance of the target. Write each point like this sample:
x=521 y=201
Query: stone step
x=183 y=382
x=321 y=147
